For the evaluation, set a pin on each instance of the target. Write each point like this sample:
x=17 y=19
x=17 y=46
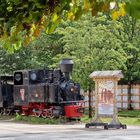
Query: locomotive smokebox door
x=21 y=88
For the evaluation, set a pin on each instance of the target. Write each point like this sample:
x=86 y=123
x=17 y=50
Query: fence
x=122 y=97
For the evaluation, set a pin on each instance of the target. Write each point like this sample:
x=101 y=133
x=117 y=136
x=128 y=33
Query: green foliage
x=23 y=20
x=18 y=117
x=92 y=45
x=129 y=36
x=38 y=54
x=133 y=8
x=128 y=113
x=18 y=60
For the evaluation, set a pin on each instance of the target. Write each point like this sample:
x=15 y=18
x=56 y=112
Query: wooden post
x=129 y=96
x=121 y=98
x=90 y=106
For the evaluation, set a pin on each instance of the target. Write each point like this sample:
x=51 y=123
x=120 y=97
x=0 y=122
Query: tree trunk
x=129 y=96
x=90 y=106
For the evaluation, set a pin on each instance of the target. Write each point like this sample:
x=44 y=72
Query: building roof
x=107 y=74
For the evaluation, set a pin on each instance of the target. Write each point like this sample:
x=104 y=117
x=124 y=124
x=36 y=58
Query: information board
x=106 y=98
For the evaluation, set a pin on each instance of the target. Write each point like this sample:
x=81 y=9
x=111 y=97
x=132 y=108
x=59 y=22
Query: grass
x=123 y=120
x=36 y=120
x=130 y=117
x=125 y=117
x=130 y=121
x=33 y=120
x=129 y=113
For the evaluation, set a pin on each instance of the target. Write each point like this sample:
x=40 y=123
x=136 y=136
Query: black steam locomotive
x=44 y=92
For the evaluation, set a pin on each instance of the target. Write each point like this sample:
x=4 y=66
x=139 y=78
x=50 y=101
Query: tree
x=21 y=59
x=38 y=54
x=23 y=20
x=92 y=45
x=129 y=36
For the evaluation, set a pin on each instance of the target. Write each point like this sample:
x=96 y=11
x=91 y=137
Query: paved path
x=16 y=131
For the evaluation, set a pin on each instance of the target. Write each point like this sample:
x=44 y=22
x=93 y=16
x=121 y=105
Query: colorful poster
x=106 y=98
x=22 y=94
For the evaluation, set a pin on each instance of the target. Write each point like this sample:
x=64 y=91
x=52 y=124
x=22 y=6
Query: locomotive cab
x=29 y=86
x=21 y=83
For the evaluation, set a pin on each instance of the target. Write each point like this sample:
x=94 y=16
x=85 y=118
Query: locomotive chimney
x=66 y=66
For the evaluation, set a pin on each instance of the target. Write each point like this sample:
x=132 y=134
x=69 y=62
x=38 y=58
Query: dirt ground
x=19 y=131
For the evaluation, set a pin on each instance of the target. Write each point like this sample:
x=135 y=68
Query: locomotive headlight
x=33 y=76
x=72 y=89
x=36 y=95
x=17 y=77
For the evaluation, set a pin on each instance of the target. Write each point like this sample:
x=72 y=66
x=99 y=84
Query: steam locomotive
x=42 y=93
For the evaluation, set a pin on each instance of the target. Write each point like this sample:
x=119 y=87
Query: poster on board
x=106 y=98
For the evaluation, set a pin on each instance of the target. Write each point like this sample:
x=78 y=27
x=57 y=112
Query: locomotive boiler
x=48 y=93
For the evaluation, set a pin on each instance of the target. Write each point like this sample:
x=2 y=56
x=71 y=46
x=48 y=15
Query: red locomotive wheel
x=44 y=115
x=51 y=116
x=48 y=113
x=38 y=113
